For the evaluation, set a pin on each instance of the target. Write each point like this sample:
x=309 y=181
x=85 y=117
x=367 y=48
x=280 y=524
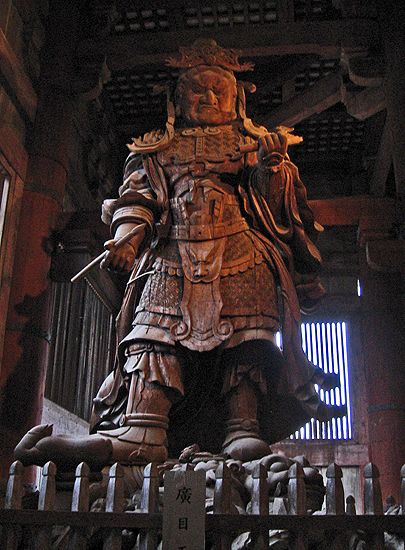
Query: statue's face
x=207 y=95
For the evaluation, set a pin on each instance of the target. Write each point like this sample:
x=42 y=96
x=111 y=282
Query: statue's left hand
x=272 y=151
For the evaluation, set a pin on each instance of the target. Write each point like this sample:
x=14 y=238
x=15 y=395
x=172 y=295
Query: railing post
x=372 y=491
x=222 y=492
x=149 y=504
x=260 y=503
x=280 y=504
x=14 y=489
x=46 y=499
x=403 y=489
x=335 y=504
x=222 y=503
x=14 y=492
x=373 y=503
x=80 y=503
x=335 y=498
x=296 y=491
x=114 y=503
x=260 y=493
x=46 y=502
x=297 y=504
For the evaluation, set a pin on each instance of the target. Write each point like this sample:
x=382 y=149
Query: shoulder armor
x=152 y=141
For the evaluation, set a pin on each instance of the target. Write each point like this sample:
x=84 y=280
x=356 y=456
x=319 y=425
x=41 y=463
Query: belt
x=207 y=232
x=179 y=203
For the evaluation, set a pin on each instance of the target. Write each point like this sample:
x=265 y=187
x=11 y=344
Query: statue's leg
x=155 y=381
x=142 y=437
x=243 y=386
x=154 y=375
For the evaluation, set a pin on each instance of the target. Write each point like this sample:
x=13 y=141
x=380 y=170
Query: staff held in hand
x=120 y=254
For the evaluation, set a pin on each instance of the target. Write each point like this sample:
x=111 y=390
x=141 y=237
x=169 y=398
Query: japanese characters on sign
x=184 y=510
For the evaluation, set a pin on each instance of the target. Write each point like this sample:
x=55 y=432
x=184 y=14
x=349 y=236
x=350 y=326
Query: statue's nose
x=209 y=98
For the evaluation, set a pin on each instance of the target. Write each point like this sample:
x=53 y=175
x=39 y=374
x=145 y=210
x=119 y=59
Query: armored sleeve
x=136 y=202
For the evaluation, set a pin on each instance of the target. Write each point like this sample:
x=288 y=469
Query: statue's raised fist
x=272 y=150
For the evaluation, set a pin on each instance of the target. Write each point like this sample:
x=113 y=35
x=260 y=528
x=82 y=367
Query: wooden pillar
x=383 y=334
x=391 y=17
x=25 y=349
x=383 y=276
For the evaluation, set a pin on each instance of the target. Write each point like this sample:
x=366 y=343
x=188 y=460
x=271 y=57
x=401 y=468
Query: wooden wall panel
x=82 y=346
x=11 y=213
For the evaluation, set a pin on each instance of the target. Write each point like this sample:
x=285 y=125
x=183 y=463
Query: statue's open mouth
x=209 y=108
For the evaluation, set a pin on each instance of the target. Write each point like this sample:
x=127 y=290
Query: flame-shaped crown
x=205 y=51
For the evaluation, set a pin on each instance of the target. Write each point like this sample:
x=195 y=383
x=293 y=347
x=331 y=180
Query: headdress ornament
x=207 y=52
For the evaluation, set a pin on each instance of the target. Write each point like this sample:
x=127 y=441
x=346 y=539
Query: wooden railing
x=23 y=528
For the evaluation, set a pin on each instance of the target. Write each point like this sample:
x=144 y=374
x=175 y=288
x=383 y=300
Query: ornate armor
x=223 y=272
x=211 y=284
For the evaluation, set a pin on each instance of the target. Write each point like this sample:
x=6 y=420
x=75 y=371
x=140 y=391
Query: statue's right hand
x=121 y=260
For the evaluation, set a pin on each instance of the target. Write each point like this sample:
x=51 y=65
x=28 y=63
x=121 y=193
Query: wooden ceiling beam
x=324 y=38
x=382 y=164
x=288 y=74
x=366 y=71
x=364 y=104
x=320 y=96
x=324 y=94
x=12 y=70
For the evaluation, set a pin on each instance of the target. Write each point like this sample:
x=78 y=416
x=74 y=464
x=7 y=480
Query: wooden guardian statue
x=228 y=239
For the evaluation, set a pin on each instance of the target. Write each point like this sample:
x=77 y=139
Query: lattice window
x=315 y=72
x=326 y=345
x=269 y=100
x=142 y=20
x=333 y=131
x=310 y=10
x=131 y=93
x=230 y=14
x=198 y=16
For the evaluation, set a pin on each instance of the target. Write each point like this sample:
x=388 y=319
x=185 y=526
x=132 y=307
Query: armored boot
x=242 y=441
x=142 y=437
x=140 y=440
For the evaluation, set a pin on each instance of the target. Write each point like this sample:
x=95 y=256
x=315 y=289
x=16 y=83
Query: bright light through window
x=4 y=190
x=326 y=345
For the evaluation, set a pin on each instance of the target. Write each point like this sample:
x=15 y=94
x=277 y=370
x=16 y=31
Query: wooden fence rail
x=22 y=528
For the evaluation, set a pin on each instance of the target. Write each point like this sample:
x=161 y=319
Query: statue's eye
x=197 y=89
x=220 y=87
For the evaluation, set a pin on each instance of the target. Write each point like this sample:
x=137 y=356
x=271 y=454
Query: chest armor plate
x=212 y=144
x=205 y=211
